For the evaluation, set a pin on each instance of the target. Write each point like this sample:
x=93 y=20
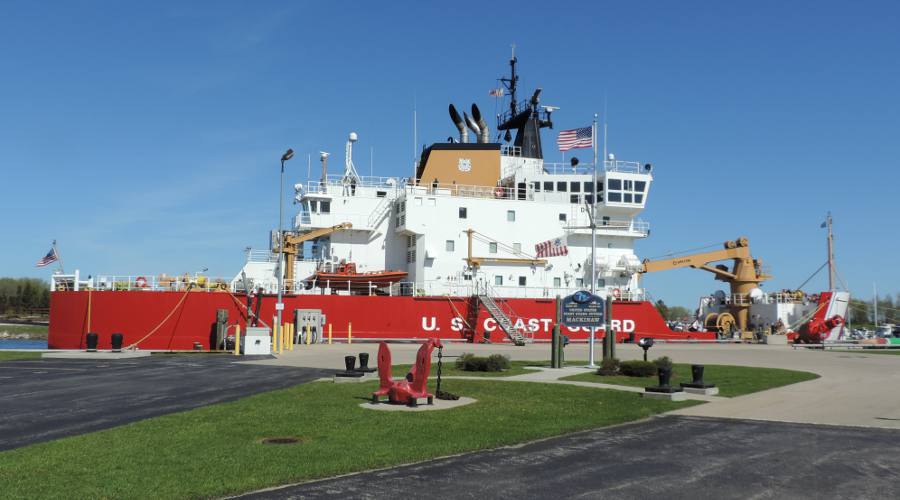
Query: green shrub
x=497 y=363
x=663 y=362
x=609 y=366
x=493 y=363
x=637 y=368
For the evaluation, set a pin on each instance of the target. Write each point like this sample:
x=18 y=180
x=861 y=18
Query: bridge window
x=573 y=198
x=561 y=186
x=521 y=280
x=462 y=213
x=640 y=186
x=615 y=184
x=562 y=217
x=381 y=194
x=614 y=197
x=537 y=186
x=511 y=215
x=574 y=187
x=325 y=206
x=492 y=247
x=548 y=186
x=498 y=280
x=450 y=245
x=587 y=187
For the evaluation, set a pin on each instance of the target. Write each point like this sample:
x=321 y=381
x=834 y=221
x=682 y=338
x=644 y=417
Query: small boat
x=345 y=276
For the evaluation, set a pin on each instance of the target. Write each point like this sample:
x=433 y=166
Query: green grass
x=731 y=380
x=17 y=355
x=216 y=450
x=895 y=351
x=34 y=331
x=450 y=369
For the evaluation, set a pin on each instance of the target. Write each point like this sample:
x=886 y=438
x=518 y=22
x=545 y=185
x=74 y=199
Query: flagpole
x=593 y=240
x=58 y=258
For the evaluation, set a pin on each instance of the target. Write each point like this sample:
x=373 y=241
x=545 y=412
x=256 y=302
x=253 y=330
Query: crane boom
x=746 y=274
x=292 y=243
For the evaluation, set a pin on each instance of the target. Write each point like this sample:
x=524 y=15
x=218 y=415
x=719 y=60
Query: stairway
x=502 y=319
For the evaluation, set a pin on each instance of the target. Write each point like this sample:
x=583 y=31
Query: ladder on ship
x=506 y=324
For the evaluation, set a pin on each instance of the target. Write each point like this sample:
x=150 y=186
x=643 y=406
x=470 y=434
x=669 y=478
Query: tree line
x=23 y=296
x=862 y=312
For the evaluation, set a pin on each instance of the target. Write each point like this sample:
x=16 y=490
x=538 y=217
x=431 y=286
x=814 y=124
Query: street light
x=279 y=306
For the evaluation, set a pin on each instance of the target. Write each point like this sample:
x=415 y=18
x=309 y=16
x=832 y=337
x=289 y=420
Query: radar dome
x=353 y=137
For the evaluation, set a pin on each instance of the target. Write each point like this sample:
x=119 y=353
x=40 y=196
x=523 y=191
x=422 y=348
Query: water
x=22 y=344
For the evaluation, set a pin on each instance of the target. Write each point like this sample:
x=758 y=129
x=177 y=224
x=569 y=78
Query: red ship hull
x=182 y=320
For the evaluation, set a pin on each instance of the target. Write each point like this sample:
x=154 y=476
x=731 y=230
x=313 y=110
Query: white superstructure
x=422 y=229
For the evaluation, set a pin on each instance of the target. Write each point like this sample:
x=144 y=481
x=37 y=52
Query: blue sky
x=145 y=137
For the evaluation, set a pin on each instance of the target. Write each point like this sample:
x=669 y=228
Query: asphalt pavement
x=668 y=457
x=48 y=399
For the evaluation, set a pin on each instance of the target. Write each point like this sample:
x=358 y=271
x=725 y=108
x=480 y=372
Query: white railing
x=629 y=167
x=566 y=168
x=581 y=222
x=148 y=282
x=308 y=220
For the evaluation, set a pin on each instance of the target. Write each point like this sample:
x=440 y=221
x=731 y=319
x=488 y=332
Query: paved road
x=855 y=389
x=665 y=457
x=52 y=398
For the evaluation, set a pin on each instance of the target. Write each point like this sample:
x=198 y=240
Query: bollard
x=329 y=333
x=697 y=374
x=274 y=340
x=349 y=333
x=293 y=337
x=665 y=375
x=91 y=342
x=364 y=363
x=306 y=330
x=237 y=340
x=116 y=342
x=350 y=363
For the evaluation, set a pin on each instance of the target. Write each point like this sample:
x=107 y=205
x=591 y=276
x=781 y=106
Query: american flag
x=496 y=92
x=575 y=138
x=551 y=248
x=48 y=259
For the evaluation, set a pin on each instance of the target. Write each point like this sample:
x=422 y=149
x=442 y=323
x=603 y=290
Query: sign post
x=583 y=309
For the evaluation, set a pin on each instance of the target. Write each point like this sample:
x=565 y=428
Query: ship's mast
x=512 y=82
x=830 y=253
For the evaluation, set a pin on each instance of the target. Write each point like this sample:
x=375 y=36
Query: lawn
x=216 y=450
x=15 y=355
x=450 y=369
x=731 y=380
x=895 y=351
x=33 y=331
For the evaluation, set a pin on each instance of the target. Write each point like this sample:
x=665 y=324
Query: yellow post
x=306 y=333
x=329 y=333
x=349 y=332
x=237 y=340
x=291 y=343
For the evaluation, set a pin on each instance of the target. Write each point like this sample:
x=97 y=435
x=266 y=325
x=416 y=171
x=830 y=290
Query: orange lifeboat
x=345 y=275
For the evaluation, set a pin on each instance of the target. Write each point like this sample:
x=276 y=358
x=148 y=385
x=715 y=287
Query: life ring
x=140 y=282
x=616 y=294
x=498 y=192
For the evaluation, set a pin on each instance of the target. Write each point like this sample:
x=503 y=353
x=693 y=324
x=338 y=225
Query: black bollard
x=116 y=341
x=665 y=375
x=350 y=363
x=364 y=363
x=349 y=368
x=91 y=342
x=697 y=376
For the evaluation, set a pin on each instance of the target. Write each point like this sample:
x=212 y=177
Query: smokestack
x=485 y=131
x=458 y=121
x=472 y=125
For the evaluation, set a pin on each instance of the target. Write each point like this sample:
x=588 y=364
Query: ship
x=475 y=245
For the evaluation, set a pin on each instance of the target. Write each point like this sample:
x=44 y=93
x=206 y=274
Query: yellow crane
x=293 y=242
x=477 y=261
x=745 y=275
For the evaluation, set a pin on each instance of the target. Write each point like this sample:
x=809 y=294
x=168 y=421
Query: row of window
x=557 y=282
x=510 y=215
x=566 y=187
x=450 y=246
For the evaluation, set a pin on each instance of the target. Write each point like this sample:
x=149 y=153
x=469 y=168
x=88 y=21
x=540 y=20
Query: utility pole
x=279 y=306
x=830 y=253
x=593 y=242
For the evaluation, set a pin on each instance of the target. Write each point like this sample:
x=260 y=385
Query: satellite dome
x=353 y=137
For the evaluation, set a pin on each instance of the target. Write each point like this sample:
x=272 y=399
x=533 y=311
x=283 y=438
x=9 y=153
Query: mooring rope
x=161 y=323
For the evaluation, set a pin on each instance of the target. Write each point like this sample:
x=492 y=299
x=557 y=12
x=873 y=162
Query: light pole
x=279 y=306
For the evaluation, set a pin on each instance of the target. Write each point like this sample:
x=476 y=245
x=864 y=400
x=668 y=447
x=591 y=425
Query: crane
x=293 y=242
x=745 y=276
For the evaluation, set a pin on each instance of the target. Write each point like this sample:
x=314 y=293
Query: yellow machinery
x=293 y=242
x=743 y=278
x=477 y=261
